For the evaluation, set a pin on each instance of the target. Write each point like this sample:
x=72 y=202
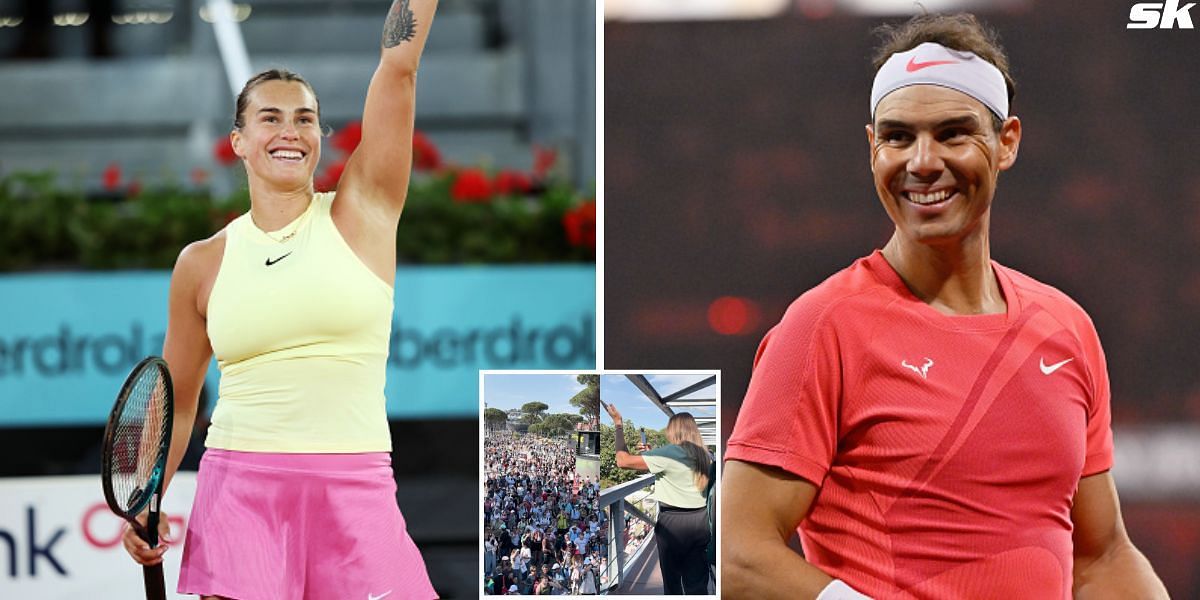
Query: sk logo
x=923 y=370
x=1160 y=15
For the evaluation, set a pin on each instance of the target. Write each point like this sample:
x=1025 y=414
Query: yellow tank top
x=300 y=330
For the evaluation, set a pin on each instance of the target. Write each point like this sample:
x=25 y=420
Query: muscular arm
x=186 y=347
x=1107 y=565
x=377 y=174
x=763 y=506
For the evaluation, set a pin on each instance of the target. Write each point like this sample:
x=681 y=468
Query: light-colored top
x=674 y=480
x=300 y=330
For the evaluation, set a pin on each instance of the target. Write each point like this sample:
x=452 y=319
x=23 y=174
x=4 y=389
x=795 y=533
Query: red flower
x=135 y=188
x=348 y=137
x=471 y=185
x=199 y=176
x=580 y=225
x=511 y=182
x=543 y=160
x=223 y=151
x=426 y=156
x=327 y=181
x=111 y=178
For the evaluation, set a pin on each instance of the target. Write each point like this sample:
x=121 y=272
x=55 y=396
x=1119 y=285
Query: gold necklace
x=294 y=225
x=284 y=238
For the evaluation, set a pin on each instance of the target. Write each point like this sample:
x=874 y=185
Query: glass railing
x=630 y=514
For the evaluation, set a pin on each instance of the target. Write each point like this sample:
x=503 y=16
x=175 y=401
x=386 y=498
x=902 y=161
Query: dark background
x=736 y=167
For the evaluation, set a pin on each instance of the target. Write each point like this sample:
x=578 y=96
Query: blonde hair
x=683 y=432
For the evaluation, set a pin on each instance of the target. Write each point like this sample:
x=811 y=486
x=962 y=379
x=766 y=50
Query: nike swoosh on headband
x=961 y=71
x=914 y=66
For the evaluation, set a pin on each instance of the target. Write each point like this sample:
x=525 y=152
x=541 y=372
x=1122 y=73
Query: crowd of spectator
x=542 y=532
x=636 y=530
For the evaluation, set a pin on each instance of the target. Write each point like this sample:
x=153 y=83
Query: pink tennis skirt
x=270 y=526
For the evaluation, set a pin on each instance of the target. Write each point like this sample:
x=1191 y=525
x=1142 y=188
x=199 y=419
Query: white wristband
x=838 y=590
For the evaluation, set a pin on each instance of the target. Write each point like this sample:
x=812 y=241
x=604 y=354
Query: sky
x=506 y=391
x=634 y=405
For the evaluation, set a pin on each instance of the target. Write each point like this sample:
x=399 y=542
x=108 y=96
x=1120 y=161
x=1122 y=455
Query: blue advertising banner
x=67 y=340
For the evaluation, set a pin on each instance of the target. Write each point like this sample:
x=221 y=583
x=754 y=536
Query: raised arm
x=633 y=462
x=624 y=459
x=1107 y=565
x=763 y=507
x=376 y=177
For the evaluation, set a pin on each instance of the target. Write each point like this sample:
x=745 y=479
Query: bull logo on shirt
x=923 y=370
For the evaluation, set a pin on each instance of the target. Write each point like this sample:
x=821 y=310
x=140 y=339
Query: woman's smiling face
x=280 y=141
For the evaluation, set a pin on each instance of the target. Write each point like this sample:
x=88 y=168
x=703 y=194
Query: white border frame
x=718 y=454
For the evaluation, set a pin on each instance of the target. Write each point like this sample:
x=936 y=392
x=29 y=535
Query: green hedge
x=44 y=226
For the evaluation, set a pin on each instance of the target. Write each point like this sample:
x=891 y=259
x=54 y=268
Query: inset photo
x=543 y=533
x=658 y=482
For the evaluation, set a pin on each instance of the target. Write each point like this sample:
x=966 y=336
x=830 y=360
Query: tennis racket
x=134 y=458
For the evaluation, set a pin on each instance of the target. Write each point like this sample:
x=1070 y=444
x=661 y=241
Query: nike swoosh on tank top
x=300 y=330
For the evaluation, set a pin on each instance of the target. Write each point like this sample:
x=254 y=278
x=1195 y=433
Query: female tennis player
x=681 y=470
x=295 y=495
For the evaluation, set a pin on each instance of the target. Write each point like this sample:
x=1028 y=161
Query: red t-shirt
x=947 y=449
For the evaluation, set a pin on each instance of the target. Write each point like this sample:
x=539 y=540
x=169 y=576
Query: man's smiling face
x=935 y=158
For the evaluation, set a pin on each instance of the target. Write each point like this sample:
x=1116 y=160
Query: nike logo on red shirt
x=1048 y=369
x=914 y=66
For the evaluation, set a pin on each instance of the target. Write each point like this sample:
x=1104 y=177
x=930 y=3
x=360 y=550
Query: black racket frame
x=152 y=574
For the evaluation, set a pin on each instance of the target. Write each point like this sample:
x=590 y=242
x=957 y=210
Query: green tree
x=556 y=424
x=533 y=411
x=588 y=399
x=655 y=438
x=610 y=473
x=494 y=419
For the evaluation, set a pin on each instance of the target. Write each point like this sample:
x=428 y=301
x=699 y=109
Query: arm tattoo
x=400 y=26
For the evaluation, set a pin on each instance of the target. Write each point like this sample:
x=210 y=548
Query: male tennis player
x=936 y=425
x=295 y=495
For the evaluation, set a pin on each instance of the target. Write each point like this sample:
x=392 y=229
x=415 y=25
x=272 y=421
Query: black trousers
x=682 y=535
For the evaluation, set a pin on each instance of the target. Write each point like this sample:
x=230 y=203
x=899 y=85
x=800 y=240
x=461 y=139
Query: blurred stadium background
x=113 y=115
x=736 y=177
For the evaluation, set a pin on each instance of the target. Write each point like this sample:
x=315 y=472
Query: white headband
x=934 y=64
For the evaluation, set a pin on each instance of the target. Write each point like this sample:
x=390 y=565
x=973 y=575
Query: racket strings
x=139 y=432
